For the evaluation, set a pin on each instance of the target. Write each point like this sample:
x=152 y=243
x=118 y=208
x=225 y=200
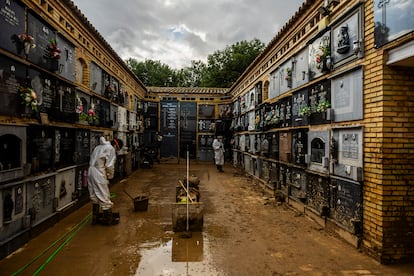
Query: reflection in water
x=177 y=256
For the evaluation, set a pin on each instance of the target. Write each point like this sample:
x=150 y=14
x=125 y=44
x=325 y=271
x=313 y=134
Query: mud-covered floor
x=245 y=233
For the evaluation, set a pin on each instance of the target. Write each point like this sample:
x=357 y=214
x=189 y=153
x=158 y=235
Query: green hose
x=75 y=229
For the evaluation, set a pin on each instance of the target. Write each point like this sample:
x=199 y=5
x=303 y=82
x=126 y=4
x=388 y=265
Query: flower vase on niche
x=27 y=47
x=54 y=55
x=27 y=41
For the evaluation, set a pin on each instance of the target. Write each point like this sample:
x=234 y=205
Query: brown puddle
x=177 y=255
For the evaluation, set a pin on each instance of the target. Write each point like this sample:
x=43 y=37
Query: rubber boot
x=95 y=213
x=220 y=168
x=110 y=218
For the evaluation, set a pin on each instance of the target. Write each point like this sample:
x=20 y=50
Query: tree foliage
x=223 y=68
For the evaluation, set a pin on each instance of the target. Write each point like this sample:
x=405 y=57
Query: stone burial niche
x=318 y=151
x=12 y=152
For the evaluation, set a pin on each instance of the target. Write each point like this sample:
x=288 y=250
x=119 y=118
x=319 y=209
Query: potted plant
x=323 y=106
x=305 y=110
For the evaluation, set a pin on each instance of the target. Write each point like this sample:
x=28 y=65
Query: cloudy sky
x=178 y=31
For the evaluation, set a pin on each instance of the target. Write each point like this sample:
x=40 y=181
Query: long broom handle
x=188 y=175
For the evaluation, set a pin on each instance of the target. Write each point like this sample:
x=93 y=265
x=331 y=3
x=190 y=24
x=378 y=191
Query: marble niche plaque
x=274 y=84
x=347 y=99
x=285 y=146
x=348 y=153
x=41 y=202
x=300 y=73
x=346 y=39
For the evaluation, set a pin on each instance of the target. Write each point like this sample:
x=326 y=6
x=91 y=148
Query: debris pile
x=193 y=187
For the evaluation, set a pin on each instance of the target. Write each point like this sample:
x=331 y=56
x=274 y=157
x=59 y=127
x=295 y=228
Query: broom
x=187 y=234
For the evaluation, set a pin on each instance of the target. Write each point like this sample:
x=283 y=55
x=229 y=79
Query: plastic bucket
x=141 y=203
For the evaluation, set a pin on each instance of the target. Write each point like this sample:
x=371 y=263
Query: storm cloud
x=178 y=31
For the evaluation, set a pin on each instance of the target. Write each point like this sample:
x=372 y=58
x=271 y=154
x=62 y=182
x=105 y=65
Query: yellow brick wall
x=388 y=153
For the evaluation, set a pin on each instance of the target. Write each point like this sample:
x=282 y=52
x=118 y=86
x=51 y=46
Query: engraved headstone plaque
x=82 y=144
x=42 y=34
x=346 y=35
x=188 y=128
x=206 y=111
x=298 y=184
x=299 y=104
x=12 y=75
x=346 y=206
x=40 y=202
x=300 y=73
x=320 y=102
x=44 y=86
x=299 y=146
x=318 y=194
x=319 y=55
x=66 y=62
x=347 y=99
x=348 y=153
x=286 y=76
x=96 y=78
x=274 y=84
x=65 y=145
x=285 y=146
x=169 y=128
x=12 y=24
x=41 y=150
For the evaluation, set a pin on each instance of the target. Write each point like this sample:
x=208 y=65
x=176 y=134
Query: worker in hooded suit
x=218 y=148
x=101 y=169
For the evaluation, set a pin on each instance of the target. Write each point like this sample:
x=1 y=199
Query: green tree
x=152 y=72
x=225 y=67
x=222 y=70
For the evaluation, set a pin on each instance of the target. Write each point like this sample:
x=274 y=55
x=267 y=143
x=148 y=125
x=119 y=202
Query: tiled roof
x=188 y=90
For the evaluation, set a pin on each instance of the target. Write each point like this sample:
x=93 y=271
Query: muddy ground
x=245 y=232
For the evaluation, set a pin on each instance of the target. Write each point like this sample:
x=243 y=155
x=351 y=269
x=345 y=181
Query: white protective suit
x=101 y=168
x=218 y=152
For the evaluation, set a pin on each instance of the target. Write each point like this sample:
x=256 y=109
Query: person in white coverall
x=218 y=147
x=101 y=169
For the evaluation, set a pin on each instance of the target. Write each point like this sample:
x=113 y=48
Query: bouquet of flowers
x=27 y=42
x=54 y=51
x=92 y=117
x=28 y=96
x=288 y=75
x=27 y=38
